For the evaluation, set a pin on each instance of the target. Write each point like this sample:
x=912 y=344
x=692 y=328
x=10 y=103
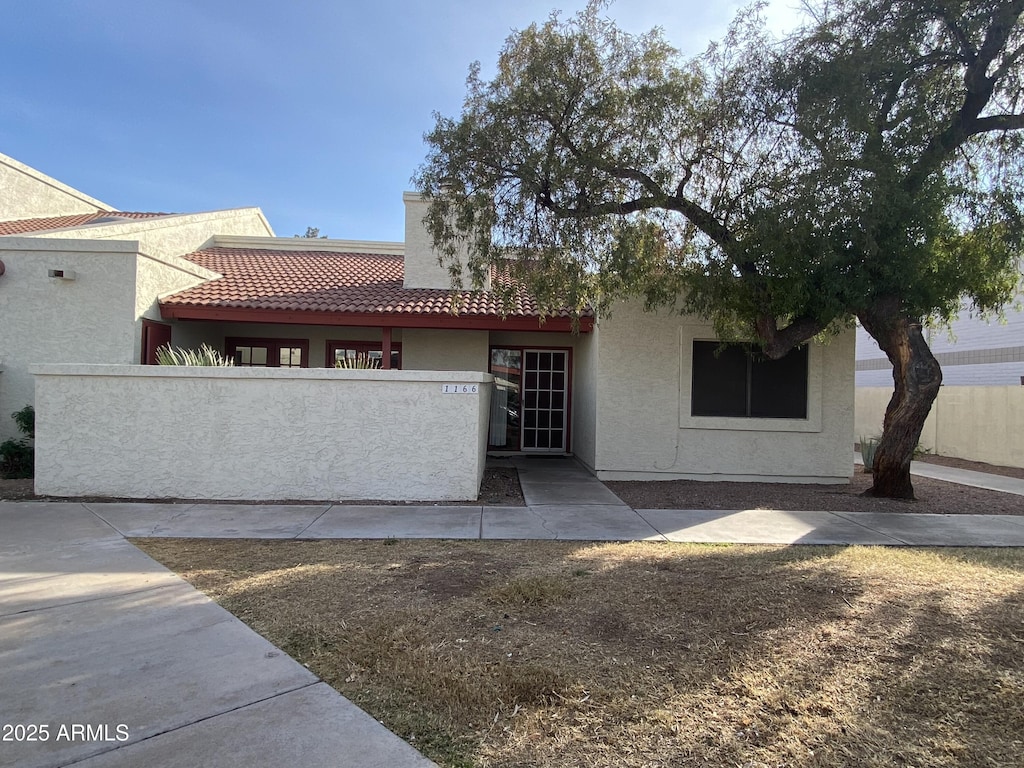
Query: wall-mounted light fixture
x=62 y=274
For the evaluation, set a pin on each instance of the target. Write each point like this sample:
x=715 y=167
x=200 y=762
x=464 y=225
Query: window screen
x=736 y=380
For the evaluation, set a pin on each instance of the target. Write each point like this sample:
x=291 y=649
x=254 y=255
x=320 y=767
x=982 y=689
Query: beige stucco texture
x=49 y=319
x=260 y=434
x=979 y=423
x=25 y=193
x=642 y=375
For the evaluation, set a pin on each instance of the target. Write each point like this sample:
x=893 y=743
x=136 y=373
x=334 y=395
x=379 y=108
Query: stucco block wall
x=444 y=350
x=259 y=434
x=25 y=193
x=982 y=423
x=48 y=320
x=645 y=431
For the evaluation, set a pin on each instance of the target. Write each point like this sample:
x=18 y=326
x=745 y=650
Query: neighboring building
x=80 y=279
x=633 y=395
x=972 y=352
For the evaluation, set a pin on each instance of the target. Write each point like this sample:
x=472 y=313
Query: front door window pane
x=506 y=367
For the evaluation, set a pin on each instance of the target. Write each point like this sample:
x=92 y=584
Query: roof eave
x=375 y=319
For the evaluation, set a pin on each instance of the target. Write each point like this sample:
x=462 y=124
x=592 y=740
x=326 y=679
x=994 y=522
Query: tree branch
x=996 y=123
x=979 y=89
x=778 y=342
x=967 y=50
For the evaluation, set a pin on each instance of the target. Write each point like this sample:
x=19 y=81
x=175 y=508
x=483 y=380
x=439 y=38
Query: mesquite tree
x=865 y=166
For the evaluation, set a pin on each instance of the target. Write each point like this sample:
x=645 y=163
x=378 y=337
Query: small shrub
x=25 y=419
x=868 y=446
x=18 y=457
x=360 y=362
x=204 y=356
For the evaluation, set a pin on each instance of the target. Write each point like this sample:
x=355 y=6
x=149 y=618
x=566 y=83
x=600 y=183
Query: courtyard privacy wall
x=260 y=434
x=975 y=423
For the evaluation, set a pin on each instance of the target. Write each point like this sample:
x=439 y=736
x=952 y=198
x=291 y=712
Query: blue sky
x=313 y=110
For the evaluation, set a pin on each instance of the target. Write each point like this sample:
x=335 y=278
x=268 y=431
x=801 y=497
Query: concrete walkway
x=126 y=664
x=984 y=480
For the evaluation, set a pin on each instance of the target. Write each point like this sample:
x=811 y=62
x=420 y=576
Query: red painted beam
x=394 y=320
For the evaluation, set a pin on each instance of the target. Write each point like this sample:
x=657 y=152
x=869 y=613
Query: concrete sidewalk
x=111 y=660
x=566 y=502
x=563 y=521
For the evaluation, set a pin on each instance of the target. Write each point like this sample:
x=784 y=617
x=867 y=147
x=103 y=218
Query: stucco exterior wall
x=48 y=320
x=443 y=350
x=422 y=269
x=25 y=193
x=259 y=434
x=584 y=398
x=645 y=431
x=171 y=236
x=982 y=423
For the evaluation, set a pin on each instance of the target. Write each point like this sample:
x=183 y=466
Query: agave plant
x=204 y=356
x=868 y=446
x=360 y=361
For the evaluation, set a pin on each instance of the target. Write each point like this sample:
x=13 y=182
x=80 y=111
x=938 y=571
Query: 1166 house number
x=460 y=389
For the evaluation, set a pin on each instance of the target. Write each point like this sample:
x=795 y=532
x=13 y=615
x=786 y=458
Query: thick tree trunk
x=917 y=378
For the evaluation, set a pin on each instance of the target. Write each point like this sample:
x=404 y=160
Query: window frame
x=362 y=347
x=745 y=380
x=812 y=422
x=231 y=343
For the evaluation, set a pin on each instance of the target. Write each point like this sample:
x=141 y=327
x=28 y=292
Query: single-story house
x=633 y=395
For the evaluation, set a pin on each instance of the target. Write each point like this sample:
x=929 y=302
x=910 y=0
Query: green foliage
x=868 y=446
x=204 y=356
x=313 y=232
x=25 y=420
x=777 y=186
x=17 y=457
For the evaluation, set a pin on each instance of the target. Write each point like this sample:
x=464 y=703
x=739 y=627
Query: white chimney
x=421 y=267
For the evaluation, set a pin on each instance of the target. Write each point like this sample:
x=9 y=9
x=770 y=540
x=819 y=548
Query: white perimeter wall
x=644 y=429
x=977 y=423
x=258 y=434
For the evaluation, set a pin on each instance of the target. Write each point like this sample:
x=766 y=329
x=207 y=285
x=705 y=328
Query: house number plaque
x=460 y=389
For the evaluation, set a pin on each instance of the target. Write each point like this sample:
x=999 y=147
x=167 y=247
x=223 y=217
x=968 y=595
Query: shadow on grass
x=527 y=653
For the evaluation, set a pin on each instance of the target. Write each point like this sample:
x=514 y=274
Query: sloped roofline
x=54 y=183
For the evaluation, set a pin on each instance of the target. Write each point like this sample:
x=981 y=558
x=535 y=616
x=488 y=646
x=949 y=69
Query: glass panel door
x=506 y=367
x=545 y=379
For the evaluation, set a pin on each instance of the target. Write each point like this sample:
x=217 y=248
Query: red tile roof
x=21 y=226
x=330 y=283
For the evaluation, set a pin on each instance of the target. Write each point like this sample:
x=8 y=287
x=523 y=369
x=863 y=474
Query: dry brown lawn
x=576 y=654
